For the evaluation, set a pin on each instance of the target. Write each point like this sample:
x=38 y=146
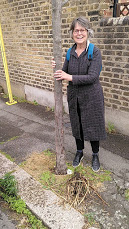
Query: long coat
x=85 y=89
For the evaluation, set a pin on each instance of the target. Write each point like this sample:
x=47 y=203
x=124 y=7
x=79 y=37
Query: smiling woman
x=80 y=36
x=84 y=23
x=84 y=92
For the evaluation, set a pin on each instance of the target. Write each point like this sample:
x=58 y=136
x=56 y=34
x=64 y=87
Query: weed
x=35 y=102
x=11 y=139
x=48 y=152
x=53 y=109
x=9 y=185
x=90 y=218
x=20 y=99
x=5 y=96
x=7 y=156
x=23 y=100
x=111 y=128
x=90 y=174
x=73 y=188
x=23 y=163
x=50 y=108
x=127 y=194
x=47 y=179
x=9 y=192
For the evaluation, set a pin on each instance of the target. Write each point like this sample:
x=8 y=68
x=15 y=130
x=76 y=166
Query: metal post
x=11 y=101
x=115 y=8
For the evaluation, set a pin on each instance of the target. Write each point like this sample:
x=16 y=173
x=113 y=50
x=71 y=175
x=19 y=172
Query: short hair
x=84 y=22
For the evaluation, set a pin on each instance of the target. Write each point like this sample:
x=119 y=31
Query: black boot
x=95 y=162
x=77 y=159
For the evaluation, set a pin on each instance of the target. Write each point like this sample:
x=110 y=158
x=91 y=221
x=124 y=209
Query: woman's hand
x=61 y=75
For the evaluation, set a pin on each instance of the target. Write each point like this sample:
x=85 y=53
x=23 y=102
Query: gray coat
x=86 y=89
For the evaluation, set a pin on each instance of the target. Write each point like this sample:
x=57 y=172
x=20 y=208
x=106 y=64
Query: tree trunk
x=57 y=51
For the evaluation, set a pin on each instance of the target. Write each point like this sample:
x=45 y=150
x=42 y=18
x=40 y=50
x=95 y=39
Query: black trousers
x=94 y=145
x=80 y=142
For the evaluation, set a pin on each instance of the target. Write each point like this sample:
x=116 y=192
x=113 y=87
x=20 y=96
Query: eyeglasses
x=82 y=31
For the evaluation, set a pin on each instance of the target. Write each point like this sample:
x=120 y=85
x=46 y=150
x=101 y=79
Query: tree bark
x=57 y=51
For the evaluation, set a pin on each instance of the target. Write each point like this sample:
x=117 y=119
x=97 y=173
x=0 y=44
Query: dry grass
x=38 y=163
x=77 y=189
x=81 y=183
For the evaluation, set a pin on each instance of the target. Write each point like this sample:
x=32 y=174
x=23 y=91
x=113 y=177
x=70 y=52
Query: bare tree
x=57 y=51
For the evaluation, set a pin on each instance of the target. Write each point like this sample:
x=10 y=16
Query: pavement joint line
x=45 y=204
x=23 y=117
x=110 y=159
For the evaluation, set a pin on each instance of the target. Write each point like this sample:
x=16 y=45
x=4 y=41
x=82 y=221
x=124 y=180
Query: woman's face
x=80 y=34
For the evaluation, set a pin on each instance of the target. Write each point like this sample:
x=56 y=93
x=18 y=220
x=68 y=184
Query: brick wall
x=112 y=36
x=27 y=32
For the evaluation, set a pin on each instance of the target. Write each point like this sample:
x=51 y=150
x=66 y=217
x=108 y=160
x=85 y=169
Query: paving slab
x=34 y=128
x=43 y=203
x=5 y=223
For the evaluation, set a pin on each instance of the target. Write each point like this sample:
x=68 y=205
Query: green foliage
x=90 y=218
x=5 y=96
x=9 y=192
x=50 y=108
x=69 y=166
x=127 y=194
x=35 y=102
x=9 y=185
x=22 y=163
x=111 y=128
x=11 y=139
x=47 y=179
x=53 y=109
x=7 y=156
x=20 y=99
x=48 y=152
x=101 y=176
x=18 y=205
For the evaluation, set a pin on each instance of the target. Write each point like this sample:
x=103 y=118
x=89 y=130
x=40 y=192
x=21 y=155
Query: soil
x=39 y=163
x=19 y=221
x=42 y=137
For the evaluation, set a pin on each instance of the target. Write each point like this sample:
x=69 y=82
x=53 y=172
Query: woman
x=84 y=92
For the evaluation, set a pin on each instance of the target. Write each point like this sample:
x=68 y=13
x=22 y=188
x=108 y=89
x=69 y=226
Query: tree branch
x=63 y=3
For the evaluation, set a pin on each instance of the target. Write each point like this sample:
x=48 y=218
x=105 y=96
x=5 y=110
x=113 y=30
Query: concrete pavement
x=5 y=223
x=33 y=129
